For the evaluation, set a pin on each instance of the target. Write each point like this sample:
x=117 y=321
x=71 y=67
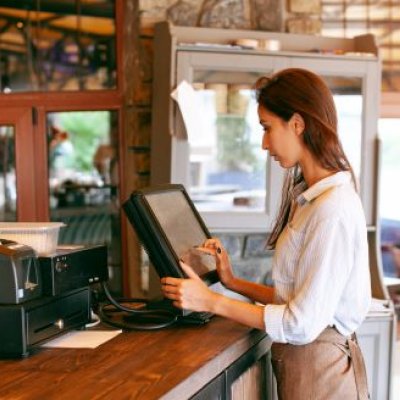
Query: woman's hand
x=225 y=272
x=192 y=293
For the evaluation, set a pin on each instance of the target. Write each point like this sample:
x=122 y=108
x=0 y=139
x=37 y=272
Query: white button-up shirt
x=320 y=266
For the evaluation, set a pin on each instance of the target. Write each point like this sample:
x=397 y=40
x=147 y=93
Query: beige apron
x=332 y=367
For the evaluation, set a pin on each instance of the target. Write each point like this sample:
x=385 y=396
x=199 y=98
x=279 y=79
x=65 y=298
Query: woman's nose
x=265 y=143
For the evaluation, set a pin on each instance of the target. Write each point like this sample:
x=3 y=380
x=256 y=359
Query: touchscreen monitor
x=170 y=228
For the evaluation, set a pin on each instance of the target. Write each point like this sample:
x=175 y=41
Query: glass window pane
x=389 y=196
x=55 y=46
x=348 y=102
x=8 y=188
x=83 y=180
x=332 y=12
x=349 y=18
x=356 y=12
x=227 y=164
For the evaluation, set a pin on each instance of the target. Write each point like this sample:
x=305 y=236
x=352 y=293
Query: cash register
x=44 y=296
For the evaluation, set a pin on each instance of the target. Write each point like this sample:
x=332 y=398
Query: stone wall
x=297 y=16
x=238 y=14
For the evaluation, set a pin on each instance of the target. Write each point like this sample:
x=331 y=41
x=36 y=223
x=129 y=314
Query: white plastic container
x=41 y=236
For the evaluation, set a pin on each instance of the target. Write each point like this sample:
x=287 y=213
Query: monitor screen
x=171 y=229
x=182 y=228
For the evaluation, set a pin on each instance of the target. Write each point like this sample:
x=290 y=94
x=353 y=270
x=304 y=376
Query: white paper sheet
x=191 y=109
x=82 y=339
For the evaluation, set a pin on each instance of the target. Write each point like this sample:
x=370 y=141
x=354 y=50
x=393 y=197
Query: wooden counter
x=173 y=363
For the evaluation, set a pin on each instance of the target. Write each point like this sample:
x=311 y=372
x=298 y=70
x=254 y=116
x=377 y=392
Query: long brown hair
x=296 y=90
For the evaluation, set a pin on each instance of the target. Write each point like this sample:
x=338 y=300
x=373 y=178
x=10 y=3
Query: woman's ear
x=298 y=123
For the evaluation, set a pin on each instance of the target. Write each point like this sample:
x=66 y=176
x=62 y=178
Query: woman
x=320 y=268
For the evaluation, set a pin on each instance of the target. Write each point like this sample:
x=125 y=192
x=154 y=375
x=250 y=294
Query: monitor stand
x=184 y=316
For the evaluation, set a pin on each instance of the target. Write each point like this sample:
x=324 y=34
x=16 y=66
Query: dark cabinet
x=249 y=377
x=215 y=390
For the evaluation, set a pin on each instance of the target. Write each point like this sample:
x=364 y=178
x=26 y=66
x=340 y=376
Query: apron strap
x=359 y=368
x=350 y=347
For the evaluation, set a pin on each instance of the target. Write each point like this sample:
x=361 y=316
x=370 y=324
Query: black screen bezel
x=154 y=239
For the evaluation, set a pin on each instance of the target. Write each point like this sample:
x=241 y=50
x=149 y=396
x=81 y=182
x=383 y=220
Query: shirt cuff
x=273 y=320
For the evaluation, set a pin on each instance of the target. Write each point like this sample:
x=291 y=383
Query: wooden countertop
x=173 y=363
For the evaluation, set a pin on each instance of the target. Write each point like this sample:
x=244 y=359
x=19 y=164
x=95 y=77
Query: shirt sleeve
x=324 y=266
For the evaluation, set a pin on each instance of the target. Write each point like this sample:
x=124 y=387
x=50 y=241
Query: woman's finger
x=177 y=304
x=170 y=281
x=189 y=271
x=212 y=243
x=172 y=296
x=206 y=250
x=169 y=289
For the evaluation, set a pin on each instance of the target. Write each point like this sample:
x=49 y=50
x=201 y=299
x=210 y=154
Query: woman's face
x=282 y=139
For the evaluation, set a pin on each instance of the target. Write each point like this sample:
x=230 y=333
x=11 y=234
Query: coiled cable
x=133 y=318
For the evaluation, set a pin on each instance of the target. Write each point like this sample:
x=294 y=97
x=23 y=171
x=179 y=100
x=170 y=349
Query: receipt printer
x=20 y=273
x=42 y=297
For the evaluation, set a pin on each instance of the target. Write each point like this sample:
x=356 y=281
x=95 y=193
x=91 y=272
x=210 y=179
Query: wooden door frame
x=40 y=103
x=21 y=119
x=36 y=146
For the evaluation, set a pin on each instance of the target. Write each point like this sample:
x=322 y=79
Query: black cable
x=134 y=318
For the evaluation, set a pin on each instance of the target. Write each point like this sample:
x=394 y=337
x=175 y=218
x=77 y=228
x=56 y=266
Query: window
x=84 y=179
x=57 y=46
x=227 y=164
x=64 y=54
x=8 y=190
x=349 y=18
x=389 y=132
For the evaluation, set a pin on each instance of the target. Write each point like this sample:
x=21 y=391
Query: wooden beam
x=64 y=7
x=47 y=23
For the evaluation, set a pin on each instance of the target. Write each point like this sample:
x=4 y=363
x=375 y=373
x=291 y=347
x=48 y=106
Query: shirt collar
x=337 y=179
